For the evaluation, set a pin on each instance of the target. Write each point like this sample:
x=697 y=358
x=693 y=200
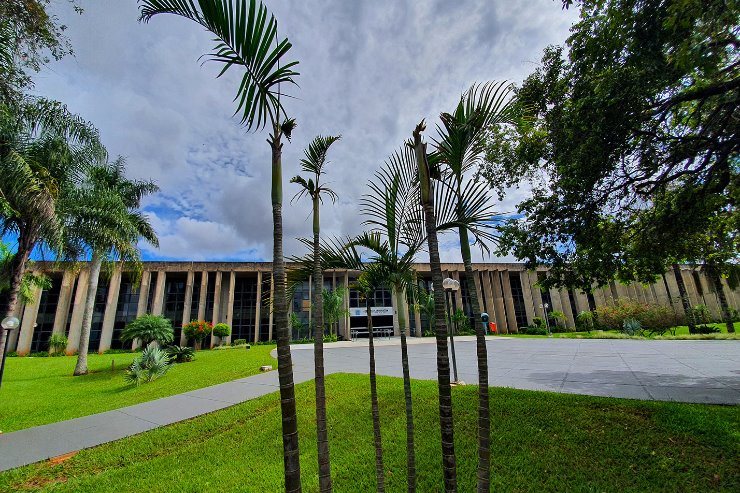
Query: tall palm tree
x=461 y=147
x=428 y=170
x=44 y=151
x=313 y=163
x=104 y=218
x=244 y=33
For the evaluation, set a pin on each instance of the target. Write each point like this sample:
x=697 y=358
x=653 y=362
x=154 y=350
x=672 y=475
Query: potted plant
x=221 y=330
x=197 y=330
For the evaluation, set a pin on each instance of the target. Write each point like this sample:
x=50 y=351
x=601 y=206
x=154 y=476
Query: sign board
x=376 y=311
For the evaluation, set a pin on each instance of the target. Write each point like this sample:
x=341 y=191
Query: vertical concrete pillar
x=65 y=298
x=570 y=320
x=732 y=298
x=673 y=293
x=418 y=331
x=528 y=297
x=710 y=295
x=217 y=298
x=75 y=322
x=581 y=302
x=622 y=291
x=688 y=280
x=272 y=306
x=509 y=302
x=229 y=315
x=158 y=301
x=203 y=295
x=187 y=304
x=146 y=277
x=258 y=308
x=598 y=295
x=12 y=341
x=28 y=324
x=557 y=304
x=498 y=303
x=111 y=304
x=479 y=292
x=488 y=292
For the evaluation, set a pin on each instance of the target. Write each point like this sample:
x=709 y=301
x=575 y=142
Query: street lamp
x=8 y=323
x=451 y=285
x=545 y=306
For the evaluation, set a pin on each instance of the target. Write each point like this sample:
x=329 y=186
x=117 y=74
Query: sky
x=369 y=71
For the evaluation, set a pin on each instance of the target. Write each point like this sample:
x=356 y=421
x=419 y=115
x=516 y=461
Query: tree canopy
x=634 y=152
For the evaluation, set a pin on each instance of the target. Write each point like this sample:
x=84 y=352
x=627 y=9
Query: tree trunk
x=379 y=468
x=446 y=424
x=322 y=436
x=410 y=452
x=291 y=453
x=92 y=289
x=484 y=423
x=16 y=271
x=726 y=315
x=685 y=301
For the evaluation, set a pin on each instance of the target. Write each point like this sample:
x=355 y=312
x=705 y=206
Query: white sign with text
x=376 y=311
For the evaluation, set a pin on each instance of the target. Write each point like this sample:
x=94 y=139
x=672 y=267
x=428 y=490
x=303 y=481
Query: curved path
x=684 y=371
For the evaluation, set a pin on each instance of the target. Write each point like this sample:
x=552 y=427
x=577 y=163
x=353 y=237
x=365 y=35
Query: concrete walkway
x=684 y=371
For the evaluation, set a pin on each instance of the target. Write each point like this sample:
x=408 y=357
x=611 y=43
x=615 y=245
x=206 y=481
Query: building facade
x=239 y=294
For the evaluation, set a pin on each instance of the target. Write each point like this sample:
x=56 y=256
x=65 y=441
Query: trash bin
x=492 y=327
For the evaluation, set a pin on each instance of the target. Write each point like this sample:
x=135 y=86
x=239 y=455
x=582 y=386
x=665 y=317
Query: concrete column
x=12 y=341
x=158 y=301
x=75 y=323
x=479 y=293
x=732 y=298
x=509 y=302
x=528 y=299
x=272 y=306
x=488 y=291
x=217 y=298
x=498 y=303
x=688 y=280
x=203 y=295
x=536 y=294
x=187 y=304
x=146 y=278
x=65 y=298
x=581 y=302
x=258 y=307
x=673 y=293
x=570 y=320
x=557 y=304
x=111 y=304
x=28 y=324
x=710 y=295
x=598 y=295
x=622 y=291
x=660 y=294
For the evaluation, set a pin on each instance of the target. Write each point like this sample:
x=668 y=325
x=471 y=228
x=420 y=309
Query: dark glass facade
x=174 y=301
x=128 y=305
x=96 y=328
x=245 y=304
x=517 y=295
x=46 y=314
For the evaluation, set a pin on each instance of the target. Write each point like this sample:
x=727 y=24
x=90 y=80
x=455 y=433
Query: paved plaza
x=683 y=371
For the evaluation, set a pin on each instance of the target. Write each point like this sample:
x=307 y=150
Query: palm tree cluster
x=59 y=193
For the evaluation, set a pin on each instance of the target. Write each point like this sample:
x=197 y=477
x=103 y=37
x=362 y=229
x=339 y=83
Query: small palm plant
x=147 y=329
x=57 y=344
x=150 y=365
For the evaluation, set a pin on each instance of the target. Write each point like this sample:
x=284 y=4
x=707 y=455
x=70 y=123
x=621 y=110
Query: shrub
x=58 y=344
x=151 y=364
x=704 y=329
x=149 y=328
x=538 y=322
x=181 y=354
x=632 y=327
x=221 y=330
x=585 y=321
x=533 y=330
x=656 y=319
x=197 y=329
x=239 y=342
x=701 y=315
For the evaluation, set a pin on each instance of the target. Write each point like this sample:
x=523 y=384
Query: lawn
x=38 y=391
x=540 y=442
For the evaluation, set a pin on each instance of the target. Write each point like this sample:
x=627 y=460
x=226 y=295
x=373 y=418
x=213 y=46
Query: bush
x=149 y=328
x=239 y=342
x=221 y=330
x=632 y=327
x=704 y=329
x=701 y=315
x=150 y=365
x=533 y=330
x=559 y=321
x=656 y=319
x=181 y=354
x=197 y=329
x=538 y=322
x=58 y=344
x=585 y=321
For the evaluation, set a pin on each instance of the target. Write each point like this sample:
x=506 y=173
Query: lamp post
x=545 y=306
x=8 y=323
x=451 y=285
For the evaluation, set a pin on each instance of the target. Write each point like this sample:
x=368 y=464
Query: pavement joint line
x=131 y=416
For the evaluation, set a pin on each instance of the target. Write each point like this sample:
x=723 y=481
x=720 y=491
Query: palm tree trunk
x=446 y=424
x=17 y=269
x=322 y=436
x=379 y=468
x=484 y=421
x=685 y=301
x=410 y=452
x=291 y=453
x=717 y=281
x=92 y=289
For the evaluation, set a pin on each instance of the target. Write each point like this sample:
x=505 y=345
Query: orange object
x=492 y=327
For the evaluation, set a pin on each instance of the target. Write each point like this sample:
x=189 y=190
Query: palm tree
x=314 y=162
x=461 y=147
x=244 y=35
x=44 y=150
x=104 y=217
x=428 y=171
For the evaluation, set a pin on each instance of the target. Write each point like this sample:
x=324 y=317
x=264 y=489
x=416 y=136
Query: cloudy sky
x=370 y=70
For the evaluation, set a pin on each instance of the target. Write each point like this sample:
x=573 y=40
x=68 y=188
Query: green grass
x=38 y=391
x=540 y=442
x=681 y=332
